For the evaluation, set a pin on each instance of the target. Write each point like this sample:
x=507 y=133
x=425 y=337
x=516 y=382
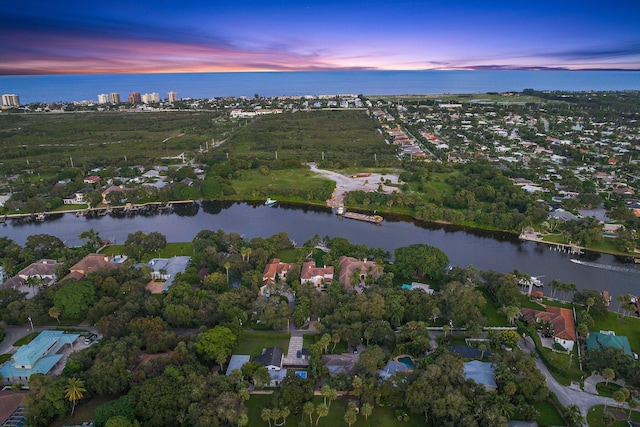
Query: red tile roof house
x=321 y=277
x=274 y=272
x=564 y=329
x=92 y=263
x=348 y=267
x=93 y=179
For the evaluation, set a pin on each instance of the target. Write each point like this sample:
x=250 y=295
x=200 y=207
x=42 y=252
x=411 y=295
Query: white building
x=172 y=96
x=150 y=98
x=103 y=98
x=10 y=100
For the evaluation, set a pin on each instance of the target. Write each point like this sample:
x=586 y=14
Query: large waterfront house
x=560 y=321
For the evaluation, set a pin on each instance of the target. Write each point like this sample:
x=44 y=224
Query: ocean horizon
x=81 y=87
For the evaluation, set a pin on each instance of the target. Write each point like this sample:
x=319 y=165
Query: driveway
x=346 y=183
x=566 y=395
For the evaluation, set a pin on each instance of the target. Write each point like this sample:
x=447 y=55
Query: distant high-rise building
x=134 y=98
x=151 y=98
x=114 y=98
x=10 y=100
x=103 y=98
x=172 y=96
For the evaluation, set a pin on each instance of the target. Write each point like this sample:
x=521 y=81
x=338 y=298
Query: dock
x=375 y=219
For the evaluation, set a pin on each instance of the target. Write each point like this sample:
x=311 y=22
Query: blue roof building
x=40 y=356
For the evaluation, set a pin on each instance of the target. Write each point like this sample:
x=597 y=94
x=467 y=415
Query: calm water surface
x=484 y=250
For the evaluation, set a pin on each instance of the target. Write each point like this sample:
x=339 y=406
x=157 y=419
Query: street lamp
x=31 y=322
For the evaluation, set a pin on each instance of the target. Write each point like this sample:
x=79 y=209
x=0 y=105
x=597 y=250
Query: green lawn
x=5 y=357
x=491 y=310
x=252 y=343
x=607 y=390
x=594 y=417
x=548 y=414
x=382 y=416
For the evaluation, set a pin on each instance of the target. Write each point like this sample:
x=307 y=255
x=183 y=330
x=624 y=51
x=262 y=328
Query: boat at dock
x=270 y=202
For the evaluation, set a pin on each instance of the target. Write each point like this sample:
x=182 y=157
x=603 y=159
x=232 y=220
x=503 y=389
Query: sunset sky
x=155 y=36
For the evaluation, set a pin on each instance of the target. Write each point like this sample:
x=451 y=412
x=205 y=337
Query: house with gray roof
x=271 y=358
x=167 y=268
x=482 y=373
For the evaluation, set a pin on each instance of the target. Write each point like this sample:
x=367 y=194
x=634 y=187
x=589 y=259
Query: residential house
x=42 y=272
x=608 y=339
x=40 y=356
x=92 y=179
x=482 y=373
x=392 y=368
x=560 y=320
x=321 y=277
x=420 y=286
x=352 y=268
x=77 y=198
x=121 y=189
x=237 y=362
x=92 y=263
x=167 y=268
x=276 y=271
x=4 y=198
x=271 y=358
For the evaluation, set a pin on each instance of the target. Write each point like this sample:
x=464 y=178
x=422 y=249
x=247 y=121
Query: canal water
x=484 y=250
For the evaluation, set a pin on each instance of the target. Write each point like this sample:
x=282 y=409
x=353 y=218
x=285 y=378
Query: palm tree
x=308 y=409
x=226 y=267
x=243 y=252
x=74 y=391
x=350 y=417
x=55 y=312
x=608 y=375
x=574 y=416
x=555 y=284
x=590 y=301
x=511 y=312
x=322 y=410
x=482 y=347
x=248 y=253
x=366 y=410
x=265 y=414
x=243 y=420
x=335 y=339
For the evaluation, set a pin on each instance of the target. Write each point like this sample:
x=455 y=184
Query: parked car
x=91 y=338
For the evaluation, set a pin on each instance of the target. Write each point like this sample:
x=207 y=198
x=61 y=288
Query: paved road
x=566 y=395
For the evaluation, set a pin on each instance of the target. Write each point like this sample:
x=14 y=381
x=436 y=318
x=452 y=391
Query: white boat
x=270 y=202
x=340 y=210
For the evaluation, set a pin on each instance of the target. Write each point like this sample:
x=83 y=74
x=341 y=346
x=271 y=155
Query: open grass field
x=252 y=343
x=343 y=136
x=97 y=139
x=382 y=416
x=255 y=184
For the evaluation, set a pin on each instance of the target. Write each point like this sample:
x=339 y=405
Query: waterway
x=484 y=250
